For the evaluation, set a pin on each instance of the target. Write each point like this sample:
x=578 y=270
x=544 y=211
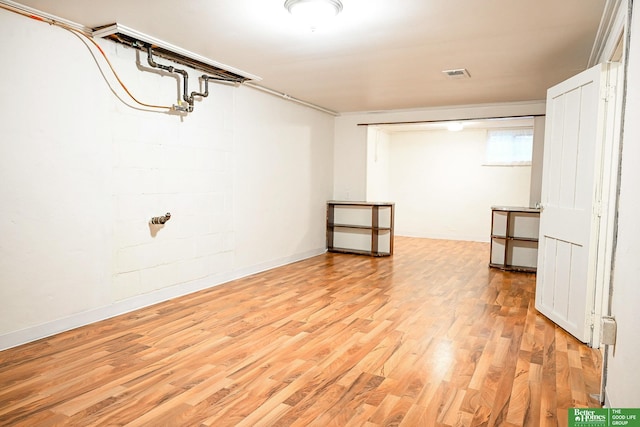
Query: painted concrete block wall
x=377 y=165
x=442 y=189
x=283 y=178
x=55 y=177
x=623 y=374
x=350 y=160
x=245 y=177
x=182 y=166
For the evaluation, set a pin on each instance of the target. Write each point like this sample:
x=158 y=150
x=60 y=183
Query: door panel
x=569 y=219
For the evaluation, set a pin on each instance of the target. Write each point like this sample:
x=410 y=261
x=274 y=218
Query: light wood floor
x=430 y=336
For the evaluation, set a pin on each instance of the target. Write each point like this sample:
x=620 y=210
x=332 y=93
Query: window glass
x=509 y=147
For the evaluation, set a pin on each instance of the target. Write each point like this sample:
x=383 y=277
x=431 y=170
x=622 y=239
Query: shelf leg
x=375 y=215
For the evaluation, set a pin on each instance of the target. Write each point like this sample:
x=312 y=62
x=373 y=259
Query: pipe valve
x=160 y=219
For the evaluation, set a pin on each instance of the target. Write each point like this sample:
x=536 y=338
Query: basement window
x=509 y=147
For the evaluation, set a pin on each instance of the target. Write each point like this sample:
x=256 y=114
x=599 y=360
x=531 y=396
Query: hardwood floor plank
x=384 y=409
x=521 y=391
x=428 y=337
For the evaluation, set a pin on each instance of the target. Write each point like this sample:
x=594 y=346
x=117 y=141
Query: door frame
x=615 y=19
x=612 y=45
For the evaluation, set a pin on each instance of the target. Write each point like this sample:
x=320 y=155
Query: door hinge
x=591 y=321
x=608 y=92
x=597 y=209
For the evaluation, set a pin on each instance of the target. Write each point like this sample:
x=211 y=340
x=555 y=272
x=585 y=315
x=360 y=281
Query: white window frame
x=492 y=159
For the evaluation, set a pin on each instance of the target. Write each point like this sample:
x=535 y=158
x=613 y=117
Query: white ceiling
x=377 y=54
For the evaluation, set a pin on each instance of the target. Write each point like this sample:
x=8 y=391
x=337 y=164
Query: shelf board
x=358 y=203
x=360 y=227
x=521 y=239
x=357 y=252
x=515 y=209
x=509 y=267
x=524 y=239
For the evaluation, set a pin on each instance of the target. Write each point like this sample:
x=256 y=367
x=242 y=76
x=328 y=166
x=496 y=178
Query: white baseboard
x=23 y=336
x=481 y=239
x=607 y=402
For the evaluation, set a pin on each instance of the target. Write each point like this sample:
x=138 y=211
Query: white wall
x=245 y=177
x=283 y=179
x=535 y=191
x=623 y=375
x=350 y=155
x=377 y=165
x=441 y=188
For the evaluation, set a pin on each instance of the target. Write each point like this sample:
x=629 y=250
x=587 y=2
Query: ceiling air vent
x=121 y=34
x=459 y=73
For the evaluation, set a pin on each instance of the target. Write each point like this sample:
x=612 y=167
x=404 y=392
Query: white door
x=570 y=200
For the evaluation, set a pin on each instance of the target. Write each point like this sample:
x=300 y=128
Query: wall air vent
x=121 y=34
x=458 y=73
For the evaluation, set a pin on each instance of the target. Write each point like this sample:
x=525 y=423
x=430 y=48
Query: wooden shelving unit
x=514 y=238
x=364 y=228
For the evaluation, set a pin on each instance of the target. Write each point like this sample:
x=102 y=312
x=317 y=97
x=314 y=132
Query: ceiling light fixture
x=313 y=12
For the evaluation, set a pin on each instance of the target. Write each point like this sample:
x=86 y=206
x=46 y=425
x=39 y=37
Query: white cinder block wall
x=378 y=176
x=245 y=177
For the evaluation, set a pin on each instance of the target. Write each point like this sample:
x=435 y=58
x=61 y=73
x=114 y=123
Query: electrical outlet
x=608 y=331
